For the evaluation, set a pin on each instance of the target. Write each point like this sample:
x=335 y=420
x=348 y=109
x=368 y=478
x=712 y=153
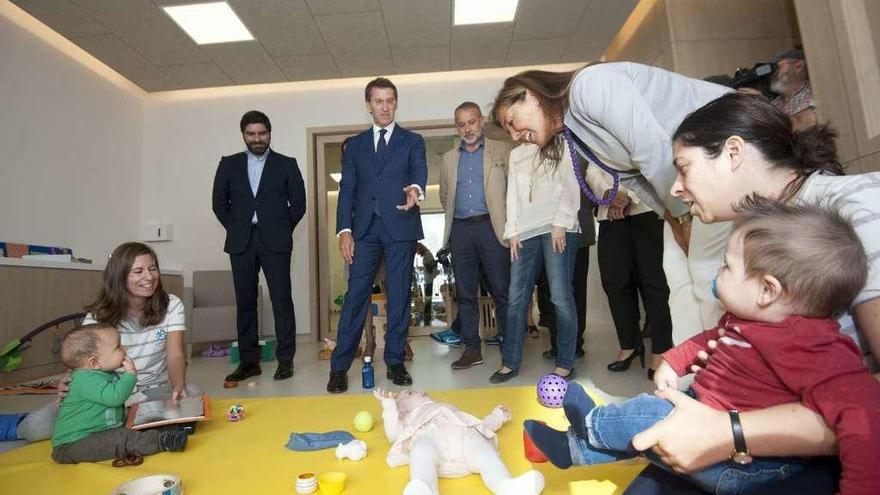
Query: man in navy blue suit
x=383 y=178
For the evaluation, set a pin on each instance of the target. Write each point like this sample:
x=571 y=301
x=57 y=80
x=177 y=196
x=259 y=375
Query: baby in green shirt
x=90 y=419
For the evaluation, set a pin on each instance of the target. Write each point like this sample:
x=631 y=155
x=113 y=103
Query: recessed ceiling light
x=209 y=23
x=484 y=11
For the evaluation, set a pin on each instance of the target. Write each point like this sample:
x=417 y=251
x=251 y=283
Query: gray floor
x=430 y=370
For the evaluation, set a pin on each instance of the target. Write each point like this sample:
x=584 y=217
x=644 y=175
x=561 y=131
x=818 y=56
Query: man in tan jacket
x=473 y=192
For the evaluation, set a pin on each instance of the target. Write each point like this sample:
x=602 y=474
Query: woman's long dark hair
x=764 y=126
x=112 y=304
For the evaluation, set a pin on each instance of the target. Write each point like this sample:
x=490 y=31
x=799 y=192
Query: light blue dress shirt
x=255 y=166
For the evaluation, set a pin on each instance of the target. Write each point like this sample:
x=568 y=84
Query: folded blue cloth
x=9 y=426
x=318 y=441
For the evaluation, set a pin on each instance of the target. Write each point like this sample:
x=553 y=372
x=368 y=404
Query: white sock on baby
x=528 y=483
x=417 y=487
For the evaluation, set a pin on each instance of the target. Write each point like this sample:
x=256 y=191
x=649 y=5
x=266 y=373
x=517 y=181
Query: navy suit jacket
x=371 y=182
x=280 y=202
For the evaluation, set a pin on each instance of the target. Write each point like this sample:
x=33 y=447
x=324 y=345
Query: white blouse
x=540 y=196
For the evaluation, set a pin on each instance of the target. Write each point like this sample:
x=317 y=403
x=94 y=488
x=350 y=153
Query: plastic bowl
x=332 y=483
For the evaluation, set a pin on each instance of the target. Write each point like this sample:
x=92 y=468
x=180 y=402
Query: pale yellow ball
x=363 y=421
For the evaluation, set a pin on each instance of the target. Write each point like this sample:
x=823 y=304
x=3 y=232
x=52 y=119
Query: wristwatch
x=740 y=454
x=684 y=218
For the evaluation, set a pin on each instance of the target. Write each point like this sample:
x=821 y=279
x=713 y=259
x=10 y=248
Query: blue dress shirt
x=470 y=197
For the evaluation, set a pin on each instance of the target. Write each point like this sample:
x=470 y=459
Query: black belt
x=475 y=218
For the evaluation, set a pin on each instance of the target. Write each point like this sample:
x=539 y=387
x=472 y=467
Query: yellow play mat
x=249 y=457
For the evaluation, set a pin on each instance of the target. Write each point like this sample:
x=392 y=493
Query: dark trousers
x=631 y=261
x=429 y=301
x=245 y=272
x=108 y=444
x=545 y=307
x=475 y=249
x=368 y=251
x=817 y=479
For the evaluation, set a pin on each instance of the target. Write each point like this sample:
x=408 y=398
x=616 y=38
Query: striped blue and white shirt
x=146 y=345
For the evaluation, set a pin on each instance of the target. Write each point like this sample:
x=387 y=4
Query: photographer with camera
x=784 y=81
x=792 y=83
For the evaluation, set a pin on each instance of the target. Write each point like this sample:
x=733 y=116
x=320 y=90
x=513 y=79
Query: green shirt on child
x=93 y=403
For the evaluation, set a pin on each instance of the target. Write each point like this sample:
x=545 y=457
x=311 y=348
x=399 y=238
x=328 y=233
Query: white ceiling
x=300 y=40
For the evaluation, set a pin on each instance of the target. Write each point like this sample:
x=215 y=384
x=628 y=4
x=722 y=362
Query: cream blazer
x=495 y=154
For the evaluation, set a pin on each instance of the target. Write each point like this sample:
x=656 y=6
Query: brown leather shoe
x=468 y=359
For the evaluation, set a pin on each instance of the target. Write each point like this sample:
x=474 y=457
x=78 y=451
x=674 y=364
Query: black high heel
x=651 y=374
x=624 y=364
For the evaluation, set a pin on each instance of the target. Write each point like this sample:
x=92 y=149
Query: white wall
x=71 y=140
x=90 y=158
x=186 y=132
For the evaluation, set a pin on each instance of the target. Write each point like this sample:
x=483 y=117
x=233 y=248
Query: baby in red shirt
x=787 y=269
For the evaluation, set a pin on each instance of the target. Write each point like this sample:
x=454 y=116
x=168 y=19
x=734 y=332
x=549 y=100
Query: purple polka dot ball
x=235 y=413
x=551 y=390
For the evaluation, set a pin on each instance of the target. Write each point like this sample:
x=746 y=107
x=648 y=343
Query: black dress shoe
x=397 y=373
x=499 y=377
x=338 y=382
x=284 y=371
x=244 y=371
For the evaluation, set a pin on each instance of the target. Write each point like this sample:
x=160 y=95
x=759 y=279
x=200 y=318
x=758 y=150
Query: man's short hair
x=790 y=54
x=80 y=344
x=811 y=249
x=379 y=82
x=255 y=117
x=468 y=105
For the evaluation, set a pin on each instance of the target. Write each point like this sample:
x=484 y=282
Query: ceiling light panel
x=484 y=11
x=208 y=23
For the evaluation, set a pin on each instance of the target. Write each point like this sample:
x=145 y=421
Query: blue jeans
x=612 y=427
x=523 y=276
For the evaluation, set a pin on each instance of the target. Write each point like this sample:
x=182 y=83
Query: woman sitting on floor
x=150 y=322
